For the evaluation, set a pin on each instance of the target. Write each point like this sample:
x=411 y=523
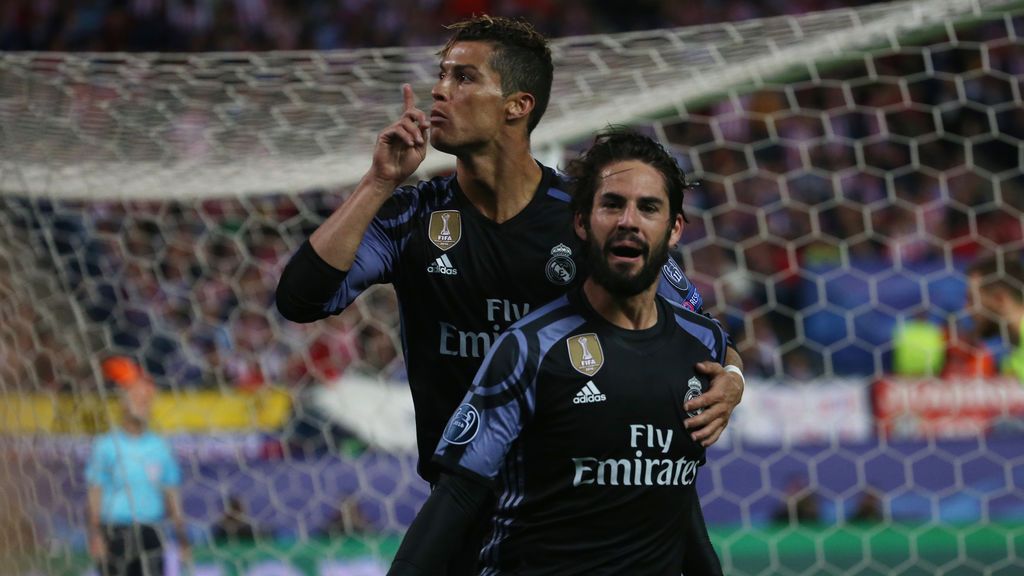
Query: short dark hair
x=1003 y=273
x=616 y=145
x=521 y=56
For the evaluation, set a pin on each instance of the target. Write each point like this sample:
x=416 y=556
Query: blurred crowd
x=911 y=174
x=243 y=25
x=916 y=162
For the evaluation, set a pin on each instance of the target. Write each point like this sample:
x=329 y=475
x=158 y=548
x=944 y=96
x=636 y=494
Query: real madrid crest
x=585 y=353
x=445 y=228
x=674 y=274
x=693 y=389
x=560 y=269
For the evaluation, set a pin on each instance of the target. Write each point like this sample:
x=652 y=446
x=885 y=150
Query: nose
x=628 y=217
x=438 y=91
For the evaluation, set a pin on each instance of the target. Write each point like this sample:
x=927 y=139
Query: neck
x=132 y=427
x=499 y=181
x=637 y=312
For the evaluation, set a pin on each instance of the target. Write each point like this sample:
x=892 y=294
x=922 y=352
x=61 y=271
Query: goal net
x=852 y=164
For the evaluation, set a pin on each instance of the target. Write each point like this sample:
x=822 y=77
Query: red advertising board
x=946 y=408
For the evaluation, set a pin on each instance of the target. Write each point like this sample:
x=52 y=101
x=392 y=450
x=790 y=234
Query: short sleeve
x=171 y=470
x=97 y=473
x=478 y=436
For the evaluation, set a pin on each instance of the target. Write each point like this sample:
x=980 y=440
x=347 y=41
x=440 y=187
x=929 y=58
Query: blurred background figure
x=919 y=348
x=995 y=297
x=234 y=526
x=800 y=503
x=133 y=483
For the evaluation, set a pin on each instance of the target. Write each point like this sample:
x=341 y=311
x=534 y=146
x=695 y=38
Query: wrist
x=736 y=370
x=379 y=185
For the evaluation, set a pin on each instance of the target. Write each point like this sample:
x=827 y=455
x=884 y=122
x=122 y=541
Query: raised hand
x=402 y=146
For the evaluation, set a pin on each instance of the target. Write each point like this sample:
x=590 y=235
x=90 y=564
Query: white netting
x=159 y=125
x=852 y=163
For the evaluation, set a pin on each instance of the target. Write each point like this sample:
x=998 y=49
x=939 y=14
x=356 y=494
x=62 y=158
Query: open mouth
x=628 y=251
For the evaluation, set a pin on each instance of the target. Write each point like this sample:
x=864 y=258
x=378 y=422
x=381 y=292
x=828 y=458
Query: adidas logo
x=589 y=393
x=442 y=265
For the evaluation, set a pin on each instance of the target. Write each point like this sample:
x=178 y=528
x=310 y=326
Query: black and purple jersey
x=461 y=278
x=577 y=424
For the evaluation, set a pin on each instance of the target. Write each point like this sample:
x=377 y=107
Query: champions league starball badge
x=463 y=426
x=560 y=269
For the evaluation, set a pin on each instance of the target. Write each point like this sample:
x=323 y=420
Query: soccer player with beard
x=995 y=297
x=576 y=416
x=471 y=253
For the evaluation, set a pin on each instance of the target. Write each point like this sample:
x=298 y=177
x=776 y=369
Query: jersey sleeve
x=311 y=289
x=97 y=472
x=501 y=401
x=677 y=288
x=171 y=471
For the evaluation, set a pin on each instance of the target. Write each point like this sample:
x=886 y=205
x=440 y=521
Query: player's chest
x=135 y=464
x=617 y=398
x=452 y=252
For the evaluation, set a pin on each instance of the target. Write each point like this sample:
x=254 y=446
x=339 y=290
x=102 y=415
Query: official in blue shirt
x=133 y=483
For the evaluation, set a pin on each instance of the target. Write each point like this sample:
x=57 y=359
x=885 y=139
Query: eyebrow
x=458 y=67
x=617 y=196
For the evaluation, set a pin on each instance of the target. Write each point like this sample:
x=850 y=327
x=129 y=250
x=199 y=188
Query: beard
x=620 y=283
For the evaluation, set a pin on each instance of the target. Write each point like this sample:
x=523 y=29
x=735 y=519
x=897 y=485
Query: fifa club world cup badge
x=585 y=353
x=693 y=389
x=445 y=228
x=560 y=269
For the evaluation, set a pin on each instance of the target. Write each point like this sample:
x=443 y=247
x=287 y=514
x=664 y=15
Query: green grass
x=855 y=550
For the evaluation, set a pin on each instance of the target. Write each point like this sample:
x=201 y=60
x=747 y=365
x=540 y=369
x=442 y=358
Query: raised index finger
x=409 y=96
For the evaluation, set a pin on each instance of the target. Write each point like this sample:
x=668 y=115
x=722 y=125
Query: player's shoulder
x=102 y=443
x=157 y=440
x=682 y=312
x=542 y=319
x=698 y=325
x=419 y=199
x=558 y=185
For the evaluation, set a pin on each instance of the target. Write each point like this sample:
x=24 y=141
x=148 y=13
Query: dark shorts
x=132 y=550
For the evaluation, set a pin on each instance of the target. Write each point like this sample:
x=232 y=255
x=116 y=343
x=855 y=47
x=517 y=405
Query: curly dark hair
x=615 y=145
x=521 y=56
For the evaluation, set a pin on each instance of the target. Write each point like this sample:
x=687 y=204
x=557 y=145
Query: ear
x=677 y=230
x=518 y=106
x=580 y=226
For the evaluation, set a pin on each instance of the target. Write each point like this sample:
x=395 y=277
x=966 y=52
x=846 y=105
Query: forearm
x=337 y=239
x=732 y=357
x=440 y=527
x=94 y=501
x=173 y=504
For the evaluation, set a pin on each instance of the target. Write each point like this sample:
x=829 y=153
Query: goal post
x=852 y=162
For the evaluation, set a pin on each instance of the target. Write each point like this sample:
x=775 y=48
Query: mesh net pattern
x=852 y=162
